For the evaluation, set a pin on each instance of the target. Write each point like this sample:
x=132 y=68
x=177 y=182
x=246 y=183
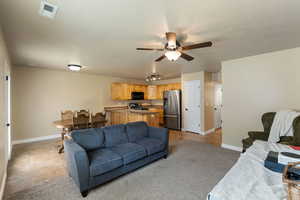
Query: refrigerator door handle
x=172 y=116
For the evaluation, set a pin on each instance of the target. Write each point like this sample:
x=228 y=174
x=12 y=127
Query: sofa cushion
x=151 y=145
x=103 y=160
x=130 y=152
x=115 y=135
x=136 y=131
x=89 y=139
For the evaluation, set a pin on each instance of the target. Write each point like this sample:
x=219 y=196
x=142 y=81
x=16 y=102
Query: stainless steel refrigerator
x=172 y=109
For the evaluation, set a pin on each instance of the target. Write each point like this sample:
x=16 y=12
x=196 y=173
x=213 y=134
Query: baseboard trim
x=3 y=182
x=231 y=147
x=37 y=139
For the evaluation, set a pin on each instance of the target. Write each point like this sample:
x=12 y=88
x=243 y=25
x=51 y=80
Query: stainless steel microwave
x=137 y=95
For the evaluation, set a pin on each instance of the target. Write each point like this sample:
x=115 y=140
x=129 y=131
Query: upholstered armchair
x=267 y=121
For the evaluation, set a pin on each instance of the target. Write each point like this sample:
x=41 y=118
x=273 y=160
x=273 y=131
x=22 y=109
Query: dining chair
x=81 y=119
x=83 y=112
x=68 y=114
x=98 y=120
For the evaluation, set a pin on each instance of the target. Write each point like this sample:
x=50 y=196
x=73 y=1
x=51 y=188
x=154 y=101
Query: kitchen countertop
x=111 y=108
x=124 y=107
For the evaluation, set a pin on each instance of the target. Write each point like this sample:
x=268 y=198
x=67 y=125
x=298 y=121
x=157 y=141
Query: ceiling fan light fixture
x=153 y=77
x=172 y=44
x=75 y=68
x=172 y=55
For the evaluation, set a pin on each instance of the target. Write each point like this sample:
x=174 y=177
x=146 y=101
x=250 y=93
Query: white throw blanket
x=248 y=179
x=282 y=125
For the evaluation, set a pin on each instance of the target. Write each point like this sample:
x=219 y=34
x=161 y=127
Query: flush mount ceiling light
x=153 y=77
x=172 y=55
x=75 y=68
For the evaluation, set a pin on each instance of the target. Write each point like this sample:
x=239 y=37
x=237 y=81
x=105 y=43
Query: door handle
x=186 y=109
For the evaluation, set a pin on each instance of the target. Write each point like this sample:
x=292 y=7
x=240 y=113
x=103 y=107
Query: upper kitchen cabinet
x=139 y=88
x=152 y=92
x=160 y=91
x=122 y=91
x=166 y=87
x=175 y=86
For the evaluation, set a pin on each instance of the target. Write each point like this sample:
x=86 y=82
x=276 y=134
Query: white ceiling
x=103 y=35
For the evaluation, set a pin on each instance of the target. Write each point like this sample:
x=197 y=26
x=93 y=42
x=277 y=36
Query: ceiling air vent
x=48 y=10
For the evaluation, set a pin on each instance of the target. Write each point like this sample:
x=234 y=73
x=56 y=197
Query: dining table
x=66 y=127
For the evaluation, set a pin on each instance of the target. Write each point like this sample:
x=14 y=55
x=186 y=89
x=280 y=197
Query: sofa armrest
x=78 y=164
x=258 y=135
x=287 y=140
x=159 y=133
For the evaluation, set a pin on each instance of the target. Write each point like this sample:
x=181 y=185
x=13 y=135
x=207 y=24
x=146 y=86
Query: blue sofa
x=97 y=155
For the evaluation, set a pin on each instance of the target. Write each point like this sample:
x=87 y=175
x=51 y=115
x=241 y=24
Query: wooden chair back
x=81 y=119
x=68 y=114
x=83 y=112
x=97 y=120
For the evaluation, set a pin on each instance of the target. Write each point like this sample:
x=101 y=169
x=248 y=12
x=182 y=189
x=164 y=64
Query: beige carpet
x=189 y=173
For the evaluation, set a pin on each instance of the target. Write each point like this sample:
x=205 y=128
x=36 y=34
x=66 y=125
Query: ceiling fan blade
x=149 y=49
x=160 y=58
x=186 y=57
x=171 y=36
x=196 y=46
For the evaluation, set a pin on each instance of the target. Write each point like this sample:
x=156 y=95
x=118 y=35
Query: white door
x=218 y=105
x=7 y=104
x=192 y=106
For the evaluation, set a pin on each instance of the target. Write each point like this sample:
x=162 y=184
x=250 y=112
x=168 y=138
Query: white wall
x=255 y=85
x=4 y=70
x=39 y=95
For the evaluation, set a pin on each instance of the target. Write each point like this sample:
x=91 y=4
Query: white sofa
x=248 y=179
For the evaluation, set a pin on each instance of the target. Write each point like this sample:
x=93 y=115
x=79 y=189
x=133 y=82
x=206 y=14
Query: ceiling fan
x=174 y=50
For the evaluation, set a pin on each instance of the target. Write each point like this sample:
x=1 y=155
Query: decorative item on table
x=276 y=161
x=291 y=177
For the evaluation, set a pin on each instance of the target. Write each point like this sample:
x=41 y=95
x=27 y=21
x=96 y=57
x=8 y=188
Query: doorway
x=192 y=106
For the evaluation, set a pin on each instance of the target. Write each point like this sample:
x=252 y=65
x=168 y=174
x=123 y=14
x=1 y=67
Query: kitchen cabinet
x=173 y=86
x=160 y=112
x=122 y=91
x=167 y=87
x=160 y=91
x=125 y=116
x=151 y=92
x=115 y=91
x=139 y=88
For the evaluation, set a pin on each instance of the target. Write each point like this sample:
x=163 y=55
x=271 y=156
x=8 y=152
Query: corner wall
x=255 y=85
x=4 y=70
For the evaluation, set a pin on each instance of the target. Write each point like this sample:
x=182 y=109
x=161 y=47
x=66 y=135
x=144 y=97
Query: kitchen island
x=124 y=115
